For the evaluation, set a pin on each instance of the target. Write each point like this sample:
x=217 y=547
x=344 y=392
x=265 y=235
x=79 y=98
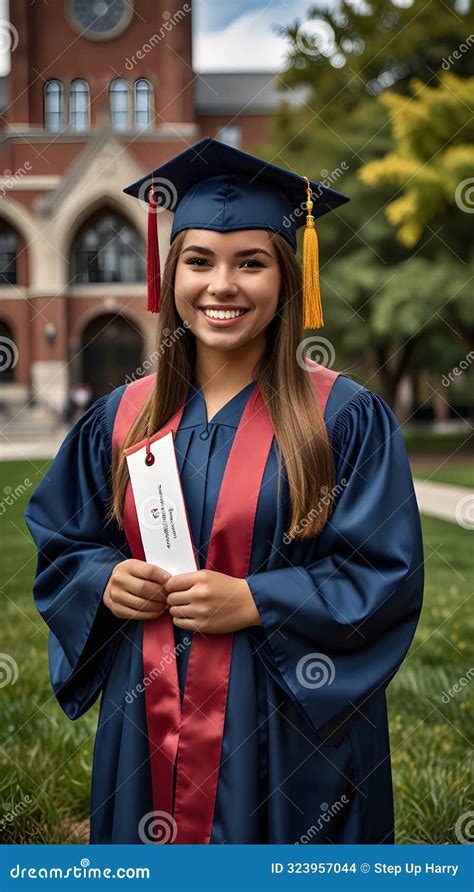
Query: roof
x=242 y=92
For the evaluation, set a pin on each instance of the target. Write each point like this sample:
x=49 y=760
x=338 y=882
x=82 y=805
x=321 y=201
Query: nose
x=221 y=282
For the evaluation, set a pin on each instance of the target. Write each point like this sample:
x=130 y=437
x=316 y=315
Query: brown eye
x=196 y=261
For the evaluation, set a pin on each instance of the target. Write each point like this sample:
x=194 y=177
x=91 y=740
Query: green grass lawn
x=459 y=474
x=46 y=759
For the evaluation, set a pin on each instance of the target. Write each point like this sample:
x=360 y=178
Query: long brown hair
x=286 y=387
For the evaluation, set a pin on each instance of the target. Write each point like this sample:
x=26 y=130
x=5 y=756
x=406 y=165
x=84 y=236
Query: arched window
x=119 y=104
x=79 y=105
x=8 y=252
x=108 y=249
x=54 y=106
x=143 y=103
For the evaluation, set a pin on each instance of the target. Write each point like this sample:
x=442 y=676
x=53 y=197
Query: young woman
x=243 y=702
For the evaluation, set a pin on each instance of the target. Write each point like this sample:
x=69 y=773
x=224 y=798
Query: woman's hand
x=206 y=601
x=135 y=590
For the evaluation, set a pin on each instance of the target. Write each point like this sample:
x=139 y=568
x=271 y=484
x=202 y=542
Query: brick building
x=99 y=93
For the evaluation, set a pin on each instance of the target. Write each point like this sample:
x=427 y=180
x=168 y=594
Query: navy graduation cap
x=215 y=186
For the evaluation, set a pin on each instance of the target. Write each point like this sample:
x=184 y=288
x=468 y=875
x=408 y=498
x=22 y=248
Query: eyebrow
x=246 y=253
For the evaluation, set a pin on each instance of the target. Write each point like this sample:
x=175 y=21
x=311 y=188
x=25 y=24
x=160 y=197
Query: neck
x=227 y=370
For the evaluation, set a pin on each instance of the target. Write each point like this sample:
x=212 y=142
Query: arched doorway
x=111 y=350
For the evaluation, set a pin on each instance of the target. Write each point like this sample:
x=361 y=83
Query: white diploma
x=161 y=509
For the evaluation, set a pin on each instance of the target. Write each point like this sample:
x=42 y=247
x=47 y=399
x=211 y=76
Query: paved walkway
x=448 y=502
x=46 y=447
x=452 y=503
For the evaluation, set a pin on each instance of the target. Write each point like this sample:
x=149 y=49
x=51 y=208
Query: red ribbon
x=193 y=736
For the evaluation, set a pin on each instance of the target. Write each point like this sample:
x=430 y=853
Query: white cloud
x=249 y=42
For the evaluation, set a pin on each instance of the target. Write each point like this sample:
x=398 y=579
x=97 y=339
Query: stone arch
x=111 y=347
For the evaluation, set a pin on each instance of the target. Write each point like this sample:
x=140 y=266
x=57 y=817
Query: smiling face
x=224 y=273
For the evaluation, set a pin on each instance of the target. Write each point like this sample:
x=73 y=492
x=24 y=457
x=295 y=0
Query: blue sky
x=238 y=35
x=232 y=35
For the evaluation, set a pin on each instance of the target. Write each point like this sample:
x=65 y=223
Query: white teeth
x=223 y=314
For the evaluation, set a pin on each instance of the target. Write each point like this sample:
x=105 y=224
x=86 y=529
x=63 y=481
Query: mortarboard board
x=215 y=186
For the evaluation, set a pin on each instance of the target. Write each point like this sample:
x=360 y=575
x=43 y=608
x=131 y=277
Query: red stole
x=194 y=734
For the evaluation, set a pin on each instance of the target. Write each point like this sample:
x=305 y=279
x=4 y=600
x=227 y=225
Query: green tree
x=390 y=308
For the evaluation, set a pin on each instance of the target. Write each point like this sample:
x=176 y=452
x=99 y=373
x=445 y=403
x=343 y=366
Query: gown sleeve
x=77 y=551
x=336 y=630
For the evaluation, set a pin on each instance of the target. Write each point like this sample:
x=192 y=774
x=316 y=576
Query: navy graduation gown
x=305 y=753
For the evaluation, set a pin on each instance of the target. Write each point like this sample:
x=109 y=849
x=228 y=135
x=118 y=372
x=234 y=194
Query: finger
x=137 y=603
x=185 y=623
x=126 y=613
x=151 y=572
x=181 y=582
x=178 y=599
x=186 y=611
x=144 y=589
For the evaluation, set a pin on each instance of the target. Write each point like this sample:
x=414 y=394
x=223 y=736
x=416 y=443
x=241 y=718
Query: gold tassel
x=313 y=313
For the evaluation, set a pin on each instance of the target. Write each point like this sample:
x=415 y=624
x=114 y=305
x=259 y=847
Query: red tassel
x=153 y=257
